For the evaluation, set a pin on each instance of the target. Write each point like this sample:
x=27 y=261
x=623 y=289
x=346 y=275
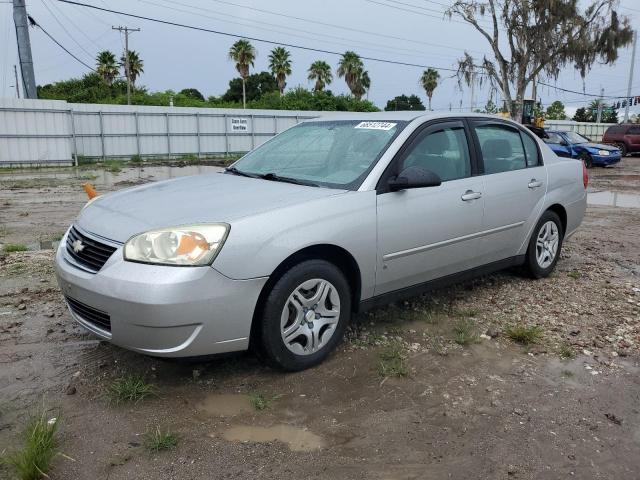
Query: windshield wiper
x=235 y=171
x=277 y=178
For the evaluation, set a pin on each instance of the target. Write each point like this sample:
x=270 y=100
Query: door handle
x=534 y=183
x=470 y=195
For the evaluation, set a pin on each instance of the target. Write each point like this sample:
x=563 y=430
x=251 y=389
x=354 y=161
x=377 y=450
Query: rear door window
x=501 y=147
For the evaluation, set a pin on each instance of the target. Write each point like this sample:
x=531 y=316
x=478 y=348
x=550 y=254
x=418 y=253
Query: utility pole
x=600 y=105
x=633 y=60
x=15 y=72
x=21 y=22
x=126 y=31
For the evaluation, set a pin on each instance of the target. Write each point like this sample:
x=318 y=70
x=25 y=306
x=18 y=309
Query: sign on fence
x=239 y=125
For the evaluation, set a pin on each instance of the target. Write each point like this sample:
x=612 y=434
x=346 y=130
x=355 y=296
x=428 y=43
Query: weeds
x=33 y=461
x=262 y=402
x=465 y=333
x=113 y=166
x=467 y=313
x=393 y=361
x=567 y=373
x=565 y=351
x=523 y=334
x=130 y=388
x=439 y=346
x=15 y=247
x=136 y=159
x=574 y=274
x=158 y=440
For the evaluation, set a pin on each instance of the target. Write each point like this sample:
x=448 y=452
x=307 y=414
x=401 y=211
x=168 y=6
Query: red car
x=625 y=136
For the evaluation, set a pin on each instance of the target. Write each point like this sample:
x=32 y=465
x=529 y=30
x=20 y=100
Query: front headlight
x=190 y=245
x=603 y=152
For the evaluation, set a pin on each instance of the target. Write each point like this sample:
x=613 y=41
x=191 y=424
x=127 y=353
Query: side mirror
x=414 y=177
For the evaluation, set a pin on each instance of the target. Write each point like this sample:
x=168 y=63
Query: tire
x=312 y=328
x=586 y=158
x=623 y=149
x=537 y=261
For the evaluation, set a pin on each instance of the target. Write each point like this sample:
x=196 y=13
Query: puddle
x=225 y=405
x=297 y=439
x=614 y=199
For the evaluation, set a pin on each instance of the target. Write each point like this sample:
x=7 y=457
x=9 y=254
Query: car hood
x=599 y=146
x=189 y=200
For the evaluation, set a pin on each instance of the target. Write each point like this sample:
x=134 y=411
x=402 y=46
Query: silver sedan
x=332 y=216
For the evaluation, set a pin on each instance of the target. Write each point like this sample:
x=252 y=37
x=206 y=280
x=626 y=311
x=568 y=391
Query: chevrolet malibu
x=330 y=217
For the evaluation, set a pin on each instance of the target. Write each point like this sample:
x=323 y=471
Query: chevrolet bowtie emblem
x=77 y=246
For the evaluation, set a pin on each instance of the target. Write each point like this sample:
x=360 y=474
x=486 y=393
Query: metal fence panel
x=594 y=131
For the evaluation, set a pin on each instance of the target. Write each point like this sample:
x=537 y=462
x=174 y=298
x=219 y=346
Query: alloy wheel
x=547 y=244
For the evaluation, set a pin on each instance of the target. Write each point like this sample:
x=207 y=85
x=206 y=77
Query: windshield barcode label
x=376 y=125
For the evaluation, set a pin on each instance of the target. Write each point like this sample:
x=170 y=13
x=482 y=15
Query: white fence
x=595 y=131
x=52 y=131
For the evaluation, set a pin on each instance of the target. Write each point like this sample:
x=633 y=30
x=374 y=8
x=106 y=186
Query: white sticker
x=376 y=125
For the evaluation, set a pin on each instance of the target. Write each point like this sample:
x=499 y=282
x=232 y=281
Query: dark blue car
x=574 y=145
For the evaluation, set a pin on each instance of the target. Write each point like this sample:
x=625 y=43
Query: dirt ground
x=567 y=405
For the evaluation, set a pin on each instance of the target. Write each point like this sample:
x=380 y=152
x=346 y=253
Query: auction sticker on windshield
x=376 y=125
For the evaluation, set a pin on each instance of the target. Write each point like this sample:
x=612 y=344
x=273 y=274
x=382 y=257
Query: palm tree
x=350 y=67
x=320 y=71
x=106 y=66
x=243 y=53
x=136 y=66
x=362 y=85
x=280 y=65
x=429 y=81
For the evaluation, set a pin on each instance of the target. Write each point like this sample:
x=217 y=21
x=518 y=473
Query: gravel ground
x=467 y=402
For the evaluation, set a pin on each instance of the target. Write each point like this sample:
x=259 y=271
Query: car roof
x=407 y=116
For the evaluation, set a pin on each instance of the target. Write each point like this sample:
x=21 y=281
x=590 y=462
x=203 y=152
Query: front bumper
x=161 y=310
x=605 y=159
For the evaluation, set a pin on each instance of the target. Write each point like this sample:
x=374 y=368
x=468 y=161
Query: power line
x=55 y=17
x=418 y=12
x=340 y=27
x=59 y=44
x=255 y=39
x=362 y=44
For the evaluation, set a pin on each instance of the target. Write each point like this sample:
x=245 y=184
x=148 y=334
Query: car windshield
x=553 y=138
x=576 y=137
x=336 y=154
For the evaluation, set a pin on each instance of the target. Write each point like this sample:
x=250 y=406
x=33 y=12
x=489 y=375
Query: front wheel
x=305 y=315
x=623 y=149
x=586 y=158
x=545 y=245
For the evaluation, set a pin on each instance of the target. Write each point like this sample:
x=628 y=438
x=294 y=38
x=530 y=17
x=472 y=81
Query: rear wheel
x=545 y=245
x=586 y=158
x=305 y=315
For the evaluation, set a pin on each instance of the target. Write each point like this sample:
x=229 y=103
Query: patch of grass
x=393 y=361
x=15 y=247
x=130 y=388
x=465 y=332
x=82 y=160
x=523 y=334
x=136 y=159
x=33 y=460
x=574 y=274
x=158 y=440
x=467 y=313
x=439 y=346
x=262 y=402
x=189 y=158
x=113 y=166
x=565 y=351
x=567 y=373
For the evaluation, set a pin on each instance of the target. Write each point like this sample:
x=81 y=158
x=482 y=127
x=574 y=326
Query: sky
x=410 y=31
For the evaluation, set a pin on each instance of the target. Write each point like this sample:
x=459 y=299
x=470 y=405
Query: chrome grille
x=92 y=254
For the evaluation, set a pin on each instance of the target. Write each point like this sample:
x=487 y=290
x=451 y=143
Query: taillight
x=585 y=175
